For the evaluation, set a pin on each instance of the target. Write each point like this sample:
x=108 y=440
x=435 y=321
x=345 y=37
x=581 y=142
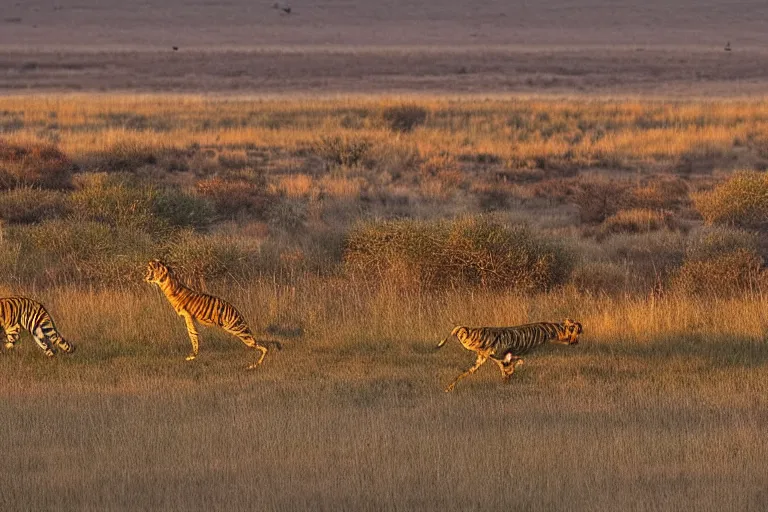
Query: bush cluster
x=638 y=220
x=404 y=118
x=33 y=165
x=722 y=263
x=470 y=251
x=740 y=201
x=343 y=150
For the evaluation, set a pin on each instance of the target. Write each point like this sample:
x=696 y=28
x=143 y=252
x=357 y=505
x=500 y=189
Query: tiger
x=505 y=345
x=203 y=308
x=18 y=313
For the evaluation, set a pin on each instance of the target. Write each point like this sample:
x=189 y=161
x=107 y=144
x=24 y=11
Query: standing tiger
x=204 y=308
x=505 y=345
x=18 y=313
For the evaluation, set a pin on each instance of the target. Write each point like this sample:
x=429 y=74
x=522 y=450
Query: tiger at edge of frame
x=505 y=345
x=18 y=313
x=203 y=308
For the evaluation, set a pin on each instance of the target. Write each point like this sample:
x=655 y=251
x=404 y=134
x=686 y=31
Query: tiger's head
x=157 y=272
x=571 y=331
x=460 y=333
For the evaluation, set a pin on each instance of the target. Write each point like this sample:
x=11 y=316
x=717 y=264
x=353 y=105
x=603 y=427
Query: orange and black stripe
x=505 y=345
x=203 y=308
x=18 y=313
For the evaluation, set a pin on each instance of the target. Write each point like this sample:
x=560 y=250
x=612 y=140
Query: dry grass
x=662 y=405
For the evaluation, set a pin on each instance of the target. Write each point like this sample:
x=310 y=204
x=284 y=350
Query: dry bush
x=342 y=188
x=721 y=262
x=33 y=165
x=29 y=205
x=124 y=156
x=122 y=200
x=637 y=220
x=397 y=158
x=114 y=200
x=727 y=275
x=233 y=197
x=666 y=193
x=345 y=151
x=742 y=201
x=296 y=185
x=471 y=251
x=601 y=278
x=404 y=118
x=599 y=199
x=180 y=209
x=652 y=256
x=199 y=258
x=64 y=252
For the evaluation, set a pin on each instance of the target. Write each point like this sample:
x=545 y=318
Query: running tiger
x=18 y=313
x=505 y=345
x=206 y=309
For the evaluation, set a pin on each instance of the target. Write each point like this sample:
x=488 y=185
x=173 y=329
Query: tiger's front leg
x=193 y=336
x=12 y=336
x=480 y=360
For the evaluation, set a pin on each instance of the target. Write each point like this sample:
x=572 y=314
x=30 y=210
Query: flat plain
x=261 y=157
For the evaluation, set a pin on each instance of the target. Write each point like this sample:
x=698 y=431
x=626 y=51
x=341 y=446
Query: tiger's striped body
x=505 y=345
x=203 y=308
x=18 y=313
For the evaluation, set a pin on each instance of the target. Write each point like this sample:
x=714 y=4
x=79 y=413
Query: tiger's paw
x=252 y=366
x=9 y=346
x=191 y=357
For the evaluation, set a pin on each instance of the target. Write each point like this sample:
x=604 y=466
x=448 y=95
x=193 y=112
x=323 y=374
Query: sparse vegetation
x=465 y=253
x=742 y=201
x=360 y=242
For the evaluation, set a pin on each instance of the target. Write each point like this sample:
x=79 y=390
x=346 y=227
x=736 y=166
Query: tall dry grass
x=662 y=405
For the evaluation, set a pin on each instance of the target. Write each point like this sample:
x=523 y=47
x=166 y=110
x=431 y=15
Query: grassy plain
x=661 y=406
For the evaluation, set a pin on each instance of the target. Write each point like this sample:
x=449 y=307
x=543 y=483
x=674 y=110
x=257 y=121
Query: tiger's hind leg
x=480 y=360
x=12 y=336
x=244 y=334
x=194 y=338
x=508 y=365
x=42 y=341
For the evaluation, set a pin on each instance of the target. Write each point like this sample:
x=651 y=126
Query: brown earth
x=390 y=46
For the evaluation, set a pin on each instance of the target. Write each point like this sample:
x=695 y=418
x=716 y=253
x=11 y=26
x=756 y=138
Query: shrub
x=343 y=150
x=601 y=277
x=665 y=194
x=117 y=201
x=741 y=201
x=232 y=197
x=721 y=262
x=27 y=205
x=404 y=118
x=122 y=200
x=637 y=220
x=180 y=209
x=199 y=257
x=599 y=199
x=125 y=156
x=64 y=252
x=726 y=275
x=472 y=251
x=35 y=165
